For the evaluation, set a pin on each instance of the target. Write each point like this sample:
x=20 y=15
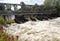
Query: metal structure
x=10 y=12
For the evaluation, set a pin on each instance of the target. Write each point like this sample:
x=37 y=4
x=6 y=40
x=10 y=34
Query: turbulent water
x=48 y=30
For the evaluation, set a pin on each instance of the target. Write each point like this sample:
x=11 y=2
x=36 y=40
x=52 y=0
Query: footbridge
x=15 y=12
x=10 y=14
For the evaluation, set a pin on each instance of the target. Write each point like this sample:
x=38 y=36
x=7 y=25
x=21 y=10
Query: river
x=48 y=30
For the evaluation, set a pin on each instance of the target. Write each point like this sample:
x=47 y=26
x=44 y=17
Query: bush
x=10 y=21
x=5 y=37
x=2 y=21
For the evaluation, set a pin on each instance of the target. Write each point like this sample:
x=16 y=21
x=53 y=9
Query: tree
x=47 y=2
x=2 y=21
x=36 y=8
x=8 y=7
x=57 y=6
x=22 y=6
x=22 y=3
x=50 y=5
x=2 y=7
x=27 y=9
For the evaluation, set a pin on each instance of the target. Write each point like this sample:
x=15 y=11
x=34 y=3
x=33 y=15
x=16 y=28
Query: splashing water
x=48 y=30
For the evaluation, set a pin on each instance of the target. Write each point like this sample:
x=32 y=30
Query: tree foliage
x=47 y=2
x=36 y=8
x=8 y=7
x=22 y=6
x=1 y=7
x=2 y=21
x=57 y=6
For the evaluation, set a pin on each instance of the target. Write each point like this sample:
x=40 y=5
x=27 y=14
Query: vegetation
x=19 y=18
x=53 y=6
x=36 y=9
x=2 y=21
x=1 y=7
x=8 y=7
x=5 y=37
x=10 y=21
x=47 y=3
x=57 y=6
x=39 y=8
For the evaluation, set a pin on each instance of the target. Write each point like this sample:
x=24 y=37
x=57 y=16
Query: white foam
x=36 y=30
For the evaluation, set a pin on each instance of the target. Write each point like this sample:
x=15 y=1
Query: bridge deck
x=23 y=13
x=6 y=12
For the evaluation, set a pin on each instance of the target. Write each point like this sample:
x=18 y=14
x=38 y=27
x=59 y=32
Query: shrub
x=2 y=21
x=5 y=37
x=10 y=21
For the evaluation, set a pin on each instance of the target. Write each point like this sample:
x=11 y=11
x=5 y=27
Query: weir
x=10 y=14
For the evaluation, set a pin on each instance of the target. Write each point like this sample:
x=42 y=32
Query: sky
x=32 y=2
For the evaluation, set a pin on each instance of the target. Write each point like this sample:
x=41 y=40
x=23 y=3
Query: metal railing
x=10 y=12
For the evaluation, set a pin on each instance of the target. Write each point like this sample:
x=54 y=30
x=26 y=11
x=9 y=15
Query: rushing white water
x=36 y=30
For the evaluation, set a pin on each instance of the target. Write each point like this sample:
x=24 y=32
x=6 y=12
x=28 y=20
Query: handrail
x=19 y=12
